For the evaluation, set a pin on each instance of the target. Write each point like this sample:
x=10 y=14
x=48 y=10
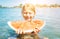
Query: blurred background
x=47 y=10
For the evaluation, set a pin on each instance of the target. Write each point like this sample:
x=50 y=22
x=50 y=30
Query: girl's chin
x=28 y=19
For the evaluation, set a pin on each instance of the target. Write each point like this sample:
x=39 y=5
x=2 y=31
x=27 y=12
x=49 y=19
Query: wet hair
x=29 y=7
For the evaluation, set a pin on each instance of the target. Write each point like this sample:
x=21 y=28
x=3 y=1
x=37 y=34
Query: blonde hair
x=28 y=6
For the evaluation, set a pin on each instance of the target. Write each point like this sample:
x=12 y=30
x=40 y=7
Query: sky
x=10 y=3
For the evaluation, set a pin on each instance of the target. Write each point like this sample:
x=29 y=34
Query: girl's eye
x=24 y=14
x=29 y=12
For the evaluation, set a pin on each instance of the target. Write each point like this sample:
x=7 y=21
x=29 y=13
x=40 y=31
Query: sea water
x=51 y=16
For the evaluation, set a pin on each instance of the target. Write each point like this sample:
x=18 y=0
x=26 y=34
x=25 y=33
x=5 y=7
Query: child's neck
x=29 y=20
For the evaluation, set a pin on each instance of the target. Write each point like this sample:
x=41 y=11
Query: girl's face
x=28 y=15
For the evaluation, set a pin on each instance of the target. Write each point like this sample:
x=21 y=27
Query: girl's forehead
x=28 y=11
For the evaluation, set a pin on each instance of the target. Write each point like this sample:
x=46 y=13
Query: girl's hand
x=19 y=31
x=36 y=30
x=22 y=32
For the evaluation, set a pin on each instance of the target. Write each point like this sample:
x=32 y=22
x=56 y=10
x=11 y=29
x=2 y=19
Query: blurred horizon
x=11 y=3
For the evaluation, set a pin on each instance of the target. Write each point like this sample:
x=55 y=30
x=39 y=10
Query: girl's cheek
x=24 y=14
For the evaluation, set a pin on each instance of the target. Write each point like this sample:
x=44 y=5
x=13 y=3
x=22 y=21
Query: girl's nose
x=28 y=14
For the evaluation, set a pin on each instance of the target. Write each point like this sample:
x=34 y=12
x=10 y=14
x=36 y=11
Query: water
x=50 y=15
